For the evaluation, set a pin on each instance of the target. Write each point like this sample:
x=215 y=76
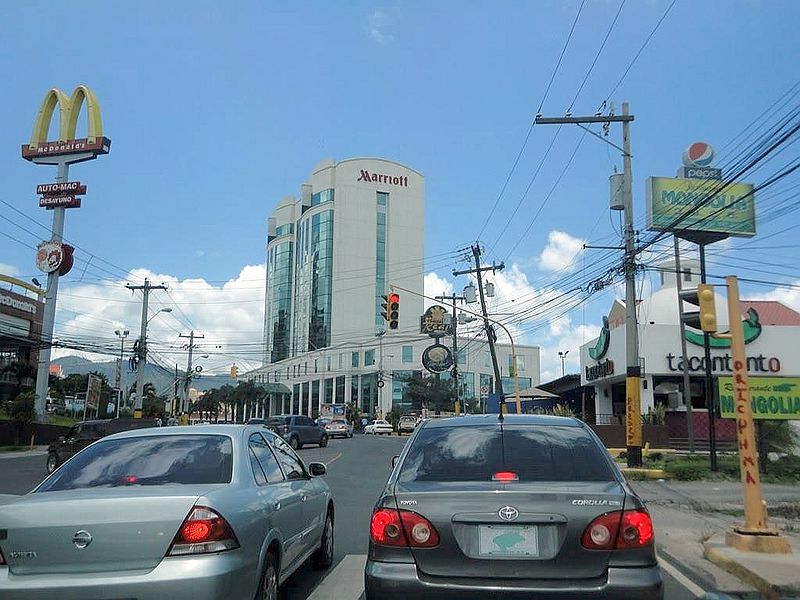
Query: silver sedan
x=214 y=511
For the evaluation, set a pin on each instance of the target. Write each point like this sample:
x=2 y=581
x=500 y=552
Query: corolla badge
x=508 y=513
x=21 y=554
x=82 y=538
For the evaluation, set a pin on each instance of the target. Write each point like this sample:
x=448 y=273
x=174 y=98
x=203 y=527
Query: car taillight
x=203 y=531
x=2 y=560
x=390 y=527
x=619 y=530
x=505 y=476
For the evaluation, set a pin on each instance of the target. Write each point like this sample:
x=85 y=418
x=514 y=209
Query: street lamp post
x=143 y=355
x=121 y=335
x=563 y=357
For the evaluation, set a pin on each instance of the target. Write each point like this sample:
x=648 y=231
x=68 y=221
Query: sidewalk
x=691 y=519
x=36 y=451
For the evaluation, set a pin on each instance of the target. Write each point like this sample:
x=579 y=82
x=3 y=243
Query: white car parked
x=379 y=427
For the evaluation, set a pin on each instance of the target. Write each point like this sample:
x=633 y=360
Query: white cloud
x=10 y=270
x=561 y=252
x=230 y=316
x=378 y=21
x=436 y=286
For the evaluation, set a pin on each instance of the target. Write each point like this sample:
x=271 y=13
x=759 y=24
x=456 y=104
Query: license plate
x=508 y=540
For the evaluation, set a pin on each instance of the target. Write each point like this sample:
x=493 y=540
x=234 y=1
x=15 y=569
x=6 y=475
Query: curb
x=743 y=573
x=647 y=473
x=697 y=576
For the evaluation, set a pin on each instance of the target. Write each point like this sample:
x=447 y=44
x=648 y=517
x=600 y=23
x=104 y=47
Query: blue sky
x=216 y=110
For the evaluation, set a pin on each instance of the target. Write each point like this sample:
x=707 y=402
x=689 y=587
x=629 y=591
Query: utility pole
x=490 y=334
x=633 y=406
x=121 y=335
x=188 y=380
x=687 y=386
x=142 y=348
x=456 y=373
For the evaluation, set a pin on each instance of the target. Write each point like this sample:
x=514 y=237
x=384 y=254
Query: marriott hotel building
x=356 y=228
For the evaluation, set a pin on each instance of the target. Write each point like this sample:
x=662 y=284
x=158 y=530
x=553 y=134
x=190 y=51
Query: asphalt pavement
x=357 y=470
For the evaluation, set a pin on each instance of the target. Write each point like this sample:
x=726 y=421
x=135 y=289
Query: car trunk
x=131 y=528
x=542 y=542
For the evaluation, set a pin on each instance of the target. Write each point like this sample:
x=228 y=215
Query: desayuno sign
x=770 y=397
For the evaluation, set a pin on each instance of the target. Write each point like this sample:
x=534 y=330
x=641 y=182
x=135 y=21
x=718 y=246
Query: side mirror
x=394 y=460
x=317 y=469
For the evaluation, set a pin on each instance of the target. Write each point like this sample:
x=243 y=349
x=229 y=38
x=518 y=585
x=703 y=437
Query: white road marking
x=345 y=582
x=334 y=459
x=681 y=578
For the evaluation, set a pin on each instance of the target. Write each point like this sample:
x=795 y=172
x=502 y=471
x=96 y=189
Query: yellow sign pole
x=754 y=536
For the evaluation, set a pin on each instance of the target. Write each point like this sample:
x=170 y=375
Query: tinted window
x=151 y=460
x=258 y=472
x=305 y=421
x=534 y=453
x=266 y=459
x=291 y=464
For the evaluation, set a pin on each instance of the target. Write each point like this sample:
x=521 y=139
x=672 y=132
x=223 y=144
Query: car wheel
x=268 y=589
x=294 y=442
x=323 y=441
x=350 y=434
x=323 y=557
x=52 y=462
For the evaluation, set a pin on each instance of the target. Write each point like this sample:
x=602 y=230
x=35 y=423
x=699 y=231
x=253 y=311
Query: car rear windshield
x=277 y=420
x=151 y=460
x=533 y=452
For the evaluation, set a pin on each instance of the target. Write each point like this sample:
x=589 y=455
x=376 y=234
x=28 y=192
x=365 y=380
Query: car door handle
x=303 y=498
x=276 y=505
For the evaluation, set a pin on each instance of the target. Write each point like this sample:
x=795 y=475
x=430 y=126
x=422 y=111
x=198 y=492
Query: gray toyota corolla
x=514 y=507
x=200 y=513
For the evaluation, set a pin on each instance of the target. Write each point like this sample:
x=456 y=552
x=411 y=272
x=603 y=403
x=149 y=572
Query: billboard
x=770 y=397
x=705 y=205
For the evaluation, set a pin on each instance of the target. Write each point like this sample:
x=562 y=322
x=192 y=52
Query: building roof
x=772 y=312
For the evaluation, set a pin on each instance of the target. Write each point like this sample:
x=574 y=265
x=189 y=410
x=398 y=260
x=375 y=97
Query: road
x=357 y=469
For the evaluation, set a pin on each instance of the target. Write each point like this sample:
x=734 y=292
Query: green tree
x=430 y=393
x=21 y=412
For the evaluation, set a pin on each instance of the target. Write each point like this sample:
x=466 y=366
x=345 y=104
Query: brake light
x=619 y=530
x=2 y=560
x=505 y=476
x=390 y=527
x=203 y=531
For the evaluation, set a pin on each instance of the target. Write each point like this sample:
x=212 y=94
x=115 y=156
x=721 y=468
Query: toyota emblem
x=82 y=538
x=508 y=513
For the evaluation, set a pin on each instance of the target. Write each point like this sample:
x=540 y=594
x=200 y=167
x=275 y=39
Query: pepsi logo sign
x=699 y=154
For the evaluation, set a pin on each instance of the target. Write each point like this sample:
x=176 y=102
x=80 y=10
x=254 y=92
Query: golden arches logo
x=69 y=108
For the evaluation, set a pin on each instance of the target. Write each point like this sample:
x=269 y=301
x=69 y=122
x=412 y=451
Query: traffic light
x=234 y=372
x=703 y=298
x=385 y=307
x=394 y=311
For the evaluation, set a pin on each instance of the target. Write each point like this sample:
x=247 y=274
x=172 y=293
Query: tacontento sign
x=69 y=107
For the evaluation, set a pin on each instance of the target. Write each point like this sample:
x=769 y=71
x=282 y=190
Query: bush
x=687 y=471
x=655 y=416
x=562 y=410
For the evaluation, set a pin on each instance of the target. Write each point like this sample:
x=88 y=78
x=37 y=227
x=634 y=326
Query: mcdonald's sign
x=69 y=107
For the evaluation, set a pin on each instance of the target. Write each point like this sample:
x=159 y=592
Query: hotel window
x=382 y=200
x=369 y=358
x=408 y=354
x=328 y=363
x=354 y=359
x=322 y=197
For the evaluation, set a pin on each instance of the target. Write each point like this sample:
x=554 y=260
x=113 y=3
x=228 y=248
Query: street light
x=121 y=335
x=164 y=310
x=563 y=357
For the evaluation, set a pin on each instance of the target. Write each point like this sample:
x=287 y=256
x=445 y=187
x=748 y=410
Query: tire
x=268 y=586
x=349 y=435
x=294 y=442
x=323 y=557
x=52 y=462
x=323 y=441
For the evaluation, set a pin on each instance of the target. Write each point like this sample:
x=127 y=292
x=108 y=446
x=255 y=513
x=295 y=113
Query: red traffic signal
x=393 y=311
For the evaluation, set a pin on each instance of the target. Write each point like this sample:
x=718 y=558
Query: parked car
x=256 y=421
x=298 y=430
x=486 y=506
x=379 y=427
x=407 y=424
x=87 y=432
x=201 y=513
x=336 y=427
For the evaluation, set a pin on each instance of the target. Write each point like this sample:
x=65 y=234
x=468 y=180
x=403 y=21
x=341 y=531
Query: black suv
x=298 y=430
x=87 y=432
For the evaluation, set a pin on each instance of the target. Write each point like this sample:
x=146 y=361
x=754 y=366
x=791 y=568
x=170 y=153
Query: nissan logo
x=81 y=539
x=508 y=513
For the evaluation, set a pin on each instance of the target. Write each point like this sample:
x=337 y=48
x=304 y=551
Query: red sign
x=100 y=145
x=51 y=202
x=59 y=189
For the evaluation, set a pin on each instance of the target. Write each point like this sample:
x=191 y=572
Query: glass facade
x=354 y=359
x=408 y=354
x=380 y=258
x=354 y=389
x=468 y=386
x=322 y=197
x=279 y=299
x=314 y=280
x=315 y=398
x=461 y=357
x=399 y=384
x=287 y=229
x=329 y=391
x=487 y=383
x=369 y=393
x=520 y=364
x=303 y=406
x=369 y=358
x=508 y=384
x=340 y=389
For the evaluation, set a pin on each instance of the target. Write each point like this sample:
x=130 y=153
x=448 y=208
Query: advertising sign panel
x=700 y=205
x=770 y=397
